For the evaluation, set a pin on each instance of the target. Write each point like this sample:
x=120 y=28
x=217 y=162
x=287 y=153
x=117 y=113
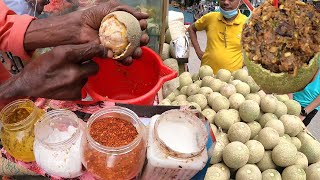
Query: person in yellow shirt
x=223 y=31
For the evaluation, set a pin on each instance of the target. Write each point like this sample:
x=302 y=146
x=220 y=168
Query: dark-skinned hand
x=60 y=73
x=80 y=27
x=92 y=17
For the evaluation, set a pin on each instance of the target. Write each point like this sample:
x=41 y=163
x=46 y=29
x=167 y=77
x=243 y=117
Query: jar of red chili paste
x=115 y=145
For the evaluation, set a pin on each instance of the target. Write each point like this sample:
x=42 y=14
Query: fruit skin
x=133 y=31
x=266 y=162
x=206 y=81
x=239 y=131
x=282 y=97
x=255 y=128
x=224 y=75
x=222 y=137
x=296 y=141
x=256 y=150
x=277 y=125
x=293 y=173
x=236 y=100
x=249 y=171
x=205 y=70
x=222 y=119
x=282 y=83
x=249 y=111
x=271 y=174
x=219 y=103
x=217 y=153
x=185 y=80
x=165 y=52
x=281 y=109
x=285 y=154
x=292 y=124
x=209 y=114
x=254 y=97
x=302 y=161
x=269 y=138
x=293 y=107
x=311 y=148
x=168 y=36
x=269 y=104
x=241 y=74
x=313 y=172
x=217 y=172
x=235 y=155
x=172 y=63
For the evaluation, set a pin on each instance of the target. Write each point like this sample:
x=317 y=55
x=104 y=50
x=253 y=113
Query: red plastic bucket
x=134 y=84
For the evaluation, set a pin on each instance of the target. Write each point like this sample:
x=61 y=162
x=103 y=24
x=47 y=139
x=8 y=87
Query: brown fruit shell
x=282 y=83
x=133 y=31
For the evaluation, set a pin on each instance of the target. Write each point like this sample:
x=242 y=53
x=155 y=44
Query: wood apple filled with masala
x=282 y=44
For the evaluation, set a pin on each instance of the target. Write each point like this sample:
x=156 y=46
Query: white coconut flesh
x=114 y=35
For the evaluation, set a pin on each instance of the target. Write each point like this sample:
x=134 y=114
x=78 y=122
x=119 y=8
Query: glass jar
x=123 y=162
x=17 y=132
x=57 y=145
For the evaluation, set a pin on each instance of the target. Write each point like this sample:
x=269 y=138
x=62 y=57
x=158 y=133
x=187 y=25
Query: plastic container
x=116 y=162
x=134 y=84
x=17 y=132
x=57 y=146
x=176 y=146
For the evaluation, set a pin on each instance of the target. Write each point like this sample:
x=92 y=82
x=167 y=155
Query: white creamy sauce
x=179 y=135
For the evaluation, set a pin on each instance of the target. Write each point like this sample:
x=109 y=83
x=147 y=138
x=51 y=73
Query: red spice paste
x=114 y=132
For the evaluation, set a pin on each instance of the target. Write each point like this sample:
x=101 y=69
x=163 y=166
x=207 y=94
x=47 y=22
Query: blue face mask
x=228 y=14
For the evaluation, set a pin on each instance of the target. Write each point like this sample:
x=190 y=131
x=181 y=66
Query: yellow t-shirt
x=223 y=49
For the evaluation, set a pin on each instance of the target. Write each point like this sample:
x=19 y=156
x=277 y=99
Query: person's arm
x=18 y=34
x=79 y=27
x=314 y=104
x=53 y=31
x=58 y=74
x=194 y=39
x=12 y=31
x=21 y=33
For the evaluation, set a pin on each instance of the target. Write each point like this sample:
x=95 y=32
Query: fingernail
x=129 y=58
x=109 y=54
x=144 y=13
x=138 y=52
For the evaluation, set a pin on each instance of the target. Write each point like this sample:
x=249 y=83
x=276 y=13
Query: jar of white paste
x=176 y=146
x=57 y=146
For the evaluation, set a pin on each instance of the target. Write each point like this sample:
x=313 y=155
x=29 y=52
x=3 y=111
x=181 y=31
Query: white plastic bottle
x=176 y=146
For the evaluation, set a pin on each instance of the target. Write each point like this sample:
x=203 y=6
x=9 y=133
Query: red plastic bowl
x=134 y=84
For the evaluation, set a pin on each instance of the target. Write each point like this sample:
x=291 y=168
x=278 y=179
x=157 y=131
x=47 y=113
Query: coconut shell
x=282 y=83
x=133 y=31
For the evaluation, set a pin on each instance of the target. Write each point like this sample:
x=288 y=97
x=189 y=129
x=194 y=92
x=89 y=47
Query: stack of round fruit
x=259 y=135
